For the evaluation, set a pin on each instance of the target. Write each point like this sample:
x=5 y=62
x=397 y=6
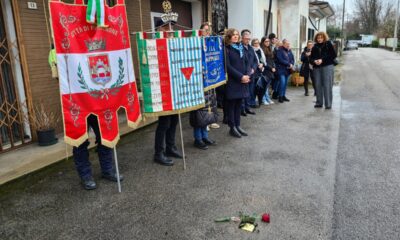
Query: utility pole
x=396 y=26
x=342 y=43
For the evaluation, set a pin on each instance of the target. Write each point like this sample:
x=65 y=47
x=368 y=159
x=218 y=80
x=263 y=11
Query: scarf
x=239 y=47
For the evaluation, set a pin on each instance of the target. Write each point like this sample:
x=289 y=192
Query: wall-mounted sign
x=32 y=5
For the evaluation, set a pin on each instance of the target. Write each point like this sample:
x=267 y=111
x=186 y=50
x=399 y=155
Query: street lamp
x=344 y=7
x=396 y=26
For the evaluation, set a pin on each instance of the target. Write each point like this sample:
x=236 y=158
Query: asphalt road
x=367 y=189
x=321 y=174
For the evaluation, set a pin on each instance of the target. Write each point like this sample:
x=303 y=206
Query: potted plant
x=44 y=122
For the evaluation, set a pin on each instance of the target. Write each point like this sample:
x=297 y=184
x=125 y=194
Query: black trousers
x=165 y=133
x=233 y=109
x=307 y=75
x=81 y=153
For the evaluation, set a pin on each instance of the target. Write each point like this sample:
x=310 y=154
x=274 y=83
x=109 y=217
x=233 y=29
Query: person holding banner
x=81 y=158
x=164 y=144
x=237 y=86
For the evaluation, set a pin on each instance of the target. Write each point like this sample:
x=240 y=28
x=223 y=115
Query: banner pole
x=117 y=169
x=183 y=146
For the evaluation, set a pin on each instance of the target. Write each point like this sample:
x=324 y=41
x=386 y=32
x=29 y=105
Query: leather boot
x=234 y=132
x=173 y=152
x=280 y=99
x=241 y=131
x=160 y=158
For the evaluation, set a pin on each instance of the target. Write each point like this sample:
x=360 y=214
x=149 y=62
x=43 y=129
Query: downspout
x=268 y=19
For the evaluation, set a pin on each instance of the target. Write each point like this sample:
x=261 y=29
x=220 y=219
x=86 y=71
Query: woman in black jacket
x=322 y=57
x=306 y=69
x=238 y=78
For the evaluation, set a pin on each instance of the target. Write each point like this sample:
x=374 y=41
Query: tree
x=368 y=12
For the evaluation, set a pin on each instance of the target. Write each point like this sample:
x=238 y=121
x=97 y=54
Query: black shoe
x=280 y=99
x=160 y=158
x=274 y=95
x=225 y=121
x=306 y=94
x=328 y=107
x=89 y=183
x=285 y=99
x=112 y=176
x=317 y=106
x=234 y=132
x=209 y=142
x=248 y=111
x=173 y=152
x=241 y=131
x=243 y=113
x=200 y=144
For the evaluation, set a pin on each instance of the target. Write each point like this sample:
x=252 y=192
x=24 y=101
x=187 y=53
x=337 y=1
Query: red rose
x=265 y=217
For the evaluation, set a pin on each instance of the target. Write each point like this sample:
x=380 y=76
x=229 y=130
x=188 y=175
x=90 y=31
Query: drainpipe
x=268 y=19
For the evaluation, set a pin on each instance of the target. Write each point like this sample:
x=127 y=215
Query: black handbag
x=203 y=117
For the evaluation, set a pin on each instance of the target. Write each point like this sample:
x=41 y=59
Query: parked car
x=350 y=45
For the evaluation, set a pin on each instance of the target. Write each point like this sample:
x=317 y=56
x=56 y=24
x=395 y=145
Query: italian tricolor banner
x=95 y=71
x=171 y=73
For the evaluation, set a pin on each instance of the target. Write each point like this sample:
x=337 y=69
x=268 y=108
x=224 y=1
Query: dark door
x=12 y=132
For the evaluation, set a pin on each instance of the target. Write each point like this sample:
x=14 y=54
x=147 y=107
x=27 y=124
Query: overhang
x=320 y=10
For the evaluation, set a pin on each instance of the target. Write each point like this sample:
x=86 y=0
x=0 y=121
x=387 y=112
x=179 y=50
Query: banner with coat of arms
x=171 y=74
x=95 y=71
x=213 y=62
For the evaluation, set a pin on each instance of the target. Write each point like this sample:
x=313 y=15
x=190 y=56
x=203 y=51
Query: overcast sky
x=349 y=4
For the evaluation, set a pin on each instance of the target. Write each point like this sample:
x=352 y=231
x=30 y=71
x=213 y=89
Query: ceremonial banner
x=213 y=62
x=95 y=71
x=171 y=74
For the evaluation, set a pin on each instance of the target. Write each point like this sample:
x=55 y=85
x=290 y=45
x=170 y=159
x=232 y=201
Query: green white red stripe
x=96 y=11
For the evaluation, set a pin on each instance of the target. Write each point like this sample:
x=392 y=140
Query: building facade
x=295 y=20
x=25 y=42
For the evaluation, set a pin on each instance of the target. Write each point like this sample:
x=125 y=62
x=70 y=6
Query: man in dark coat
x=164 y=144
x=253 y=65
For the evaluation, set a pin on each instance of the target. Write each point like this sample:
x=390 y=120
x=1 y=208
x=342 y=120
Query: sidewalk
x=285 y=167
x=32 y=157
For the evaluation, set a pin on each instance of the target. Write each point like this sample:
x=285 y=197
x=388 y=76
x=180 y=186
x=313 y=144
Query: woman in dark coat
x=323 y=56
x=306 y=69
x=238 y=79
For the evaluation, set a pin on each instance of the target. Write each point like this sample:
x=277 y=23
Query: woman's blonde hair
x=323 y=35
x=229 y=34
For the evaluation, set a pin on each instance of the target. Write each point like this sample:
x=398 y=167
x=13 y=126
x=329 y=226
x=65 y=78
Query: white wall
x=196 y=15
x=290 y=21
x=258 y=17
x=240 y=14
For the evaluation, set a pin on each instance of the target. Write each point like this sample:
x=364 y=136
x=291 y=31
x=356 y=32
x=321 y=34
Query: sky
x=349 y=4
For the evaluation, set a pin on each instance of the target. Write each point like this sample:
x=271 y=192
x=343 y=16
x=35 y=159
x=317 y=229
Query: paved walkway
x=32 y=157
x=285 y=167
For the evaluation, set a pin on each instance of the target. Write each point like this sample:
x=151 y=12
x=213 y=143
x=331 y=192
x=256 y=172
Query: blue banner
x=213 y=62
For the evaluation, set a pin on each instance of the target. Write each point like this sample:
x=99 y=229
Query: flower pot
x=46 y=137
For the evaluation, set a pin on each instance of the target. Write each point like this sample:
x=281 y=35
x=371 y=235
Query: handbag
x=203 y=117
x=335 y=62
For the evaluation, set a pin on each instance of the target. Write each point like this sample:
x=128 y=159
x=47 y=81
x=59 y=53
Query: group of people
x=255 y=69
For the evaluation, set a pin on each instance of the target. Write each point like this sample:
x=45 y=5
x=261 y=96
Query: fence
x=388 y=42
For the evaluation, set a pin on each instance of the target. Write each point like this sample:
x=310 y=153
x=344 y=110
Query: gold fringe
x=158 y=114
x=76 y=142
x=215 y=86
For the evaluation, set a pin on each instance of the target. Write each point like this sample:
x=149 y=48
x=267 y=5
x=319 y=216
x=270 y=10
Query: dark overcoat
x=237 y=67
